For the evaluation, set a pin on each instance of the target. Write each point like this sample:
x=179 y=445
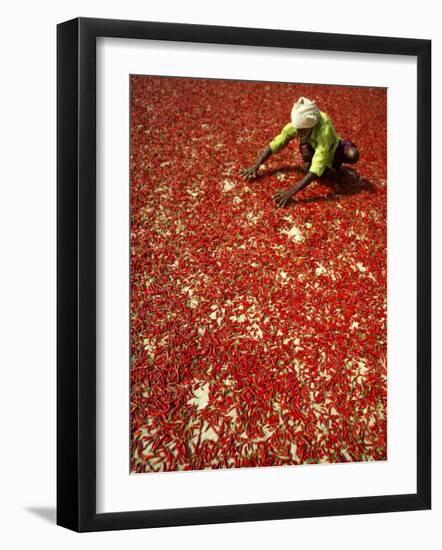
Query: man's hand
x=282 y=196
x=250 y=173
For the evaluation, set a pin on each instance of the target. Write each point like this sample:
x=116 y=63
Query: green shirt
x=323 y=139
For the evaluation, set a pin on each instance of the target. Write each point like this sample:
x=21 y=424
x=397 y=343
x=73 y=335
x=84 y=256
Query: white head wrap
x=305 y=113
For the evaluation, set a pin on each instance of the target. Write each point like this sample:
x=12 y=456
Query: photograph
x=258 y=274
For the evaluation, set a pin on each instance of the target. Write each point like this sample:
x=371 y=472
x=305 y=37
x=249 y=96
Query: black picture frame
x=77 y=287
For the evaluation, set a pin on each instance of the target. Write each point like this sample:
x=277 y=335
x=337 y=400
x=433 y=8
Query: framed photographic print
x=243 y=274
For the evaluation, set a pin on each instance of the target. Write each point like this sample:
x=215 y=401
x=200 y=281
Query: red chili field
x=258 y=334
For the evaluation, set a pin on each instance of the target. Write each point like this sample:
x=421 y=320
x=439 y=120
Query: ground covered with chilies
x=258 y=334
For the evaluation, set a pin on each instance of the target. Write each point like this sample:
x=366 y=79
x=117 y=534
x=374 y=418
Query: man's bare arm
x=282 y=196
x=252 y=171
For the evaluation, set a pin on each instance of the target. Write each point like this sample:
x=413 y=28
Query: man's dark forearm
x=306 y=180
x=264 y=156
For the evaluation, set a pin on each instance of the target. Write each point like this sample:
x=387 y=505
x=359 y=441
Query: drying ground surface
x=258 y=334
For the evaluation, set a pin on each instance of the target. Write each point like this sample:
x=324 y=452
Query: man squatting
x=320 y=147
